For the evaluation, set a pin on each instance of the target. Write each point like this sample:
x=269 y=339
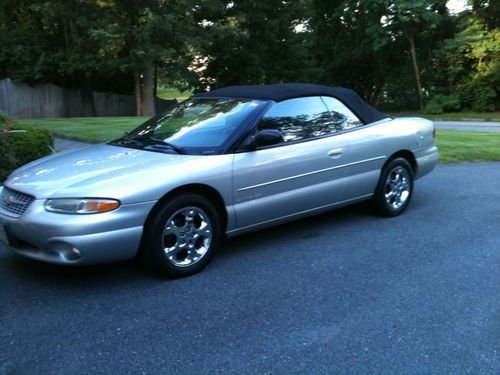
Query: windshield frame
x=130 y=141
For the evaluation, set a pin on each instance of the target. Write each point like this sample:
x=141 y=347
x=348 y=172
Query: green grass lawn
x=171 y=93
x=454 y=116
x=86 y=129
x=459 y=147
x=454 y=146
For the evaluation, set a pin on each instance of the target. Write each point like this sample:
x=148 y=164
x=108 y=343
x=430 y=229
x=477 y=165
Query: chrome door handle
x=335 y=153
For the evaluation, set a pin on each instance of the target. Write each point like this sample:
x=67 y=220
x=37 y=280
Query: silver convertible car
x=221 y=163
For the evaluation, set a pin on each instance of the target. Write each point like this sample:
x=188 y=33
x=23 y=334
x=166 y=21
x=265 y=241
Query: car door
x=303 y=173
x=367 y=150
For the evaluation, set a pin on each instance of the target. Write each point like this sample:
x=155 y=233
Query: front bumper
x=76 y=239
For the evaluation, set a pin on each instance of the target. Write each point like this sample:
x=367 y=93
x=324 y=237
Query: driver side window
x=299 y=118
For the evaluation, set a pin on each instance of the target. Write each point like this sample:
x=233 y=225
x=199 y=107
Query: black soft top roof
x=283 y=91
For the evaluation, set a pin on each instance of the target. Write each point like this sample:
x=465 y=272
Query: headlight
x=81 y=206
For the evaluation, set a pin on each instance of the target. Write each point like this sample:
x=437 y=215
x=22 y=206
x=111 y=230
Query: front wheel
x=394 y=189
x=182 y=236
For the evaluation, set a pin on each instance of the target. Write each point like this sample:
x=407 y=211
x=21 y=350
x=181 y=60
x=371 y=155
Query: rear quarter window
x=342 y=116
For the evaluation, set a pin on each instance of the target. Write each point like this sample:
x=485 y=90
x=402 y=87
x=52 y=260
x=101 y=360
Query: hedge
x=19 y=145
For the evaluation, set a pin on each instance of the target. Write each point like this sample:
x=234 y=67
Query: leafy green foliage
x=470 y=64
x=350 y=45
x=253 y=42
x=19 y=146
x=478 y=95
x=442 y=103
x=397 y=54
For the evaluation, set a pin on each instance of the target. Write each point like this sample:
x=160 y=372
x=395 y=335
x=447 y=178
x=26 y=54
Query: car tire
x=395 y=188
x=182 y=236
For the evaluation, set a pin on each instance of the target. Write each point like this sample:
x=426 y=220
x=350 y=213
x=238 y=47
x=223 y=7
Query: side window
x=299 y=118
x=342 y=116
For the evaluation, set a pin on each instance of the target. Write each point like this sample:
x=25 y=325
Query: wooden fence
x=49 y=101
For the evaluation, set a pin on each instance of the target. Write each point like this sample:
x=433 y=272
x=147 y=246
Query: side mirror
x=266 y=137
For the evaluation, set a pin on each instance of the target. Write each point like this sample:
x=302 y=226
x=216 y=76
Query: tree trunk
x=413 y=53
x=68 y=44
x=155 y=90
x=137 y=90
x=144 y=89
x=73 y=41
x=476 y=6
x=147 y=94
x=87 y=97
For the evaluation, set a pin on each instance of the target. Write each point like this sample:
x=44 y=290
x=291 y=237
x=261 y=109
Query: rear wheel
x=394 y=189
x=182 y=236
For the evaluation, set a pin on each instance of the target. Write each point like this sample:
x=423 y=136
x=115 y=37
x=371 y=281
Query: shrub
x=477 y=96
x=442 y=103
x=19 y=145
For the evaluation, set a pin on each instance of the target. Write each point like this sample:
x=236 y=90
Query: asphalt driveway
x=343 y=292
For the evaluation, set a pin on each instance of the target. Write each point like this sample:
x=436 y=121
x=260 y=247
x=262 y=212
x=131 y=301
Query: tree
x=411 y=19
x=472 y=59
x=86 y=43
x=351 y=47
x=142 y=36
x=395 y=53
x=254 y=42
x=73 y=20
x=50 y=41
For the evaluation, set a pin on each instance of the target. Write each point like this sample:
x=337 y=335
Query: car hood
x=100 y=170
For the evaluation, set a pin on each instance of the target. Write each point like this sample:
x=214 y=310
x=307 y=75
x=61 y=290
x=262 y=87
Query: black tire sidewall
x=380 y=204
x=152 y=244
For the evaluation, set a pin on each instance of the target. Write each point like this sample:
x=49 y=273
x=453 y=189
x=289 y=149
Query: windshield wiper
x=177 y=149
x=132 y=140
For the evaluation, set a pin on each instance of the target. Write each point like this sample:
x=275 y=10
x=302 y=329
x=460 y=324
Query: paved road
x=343 y=292
x=469 y=126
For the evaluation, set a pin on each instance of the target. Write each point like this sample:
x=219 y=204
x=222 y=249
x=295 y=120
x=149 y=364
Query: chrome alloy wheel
x=397 y=187
x=187 y=236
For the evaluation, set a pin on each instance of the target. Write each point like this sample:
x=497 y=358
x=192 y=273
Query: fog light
x=66 y=251
x=75 y=254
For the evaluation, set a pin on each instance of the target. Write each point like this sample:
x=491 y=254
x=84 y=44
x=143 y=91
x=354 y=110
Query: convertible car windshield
x=193 y=126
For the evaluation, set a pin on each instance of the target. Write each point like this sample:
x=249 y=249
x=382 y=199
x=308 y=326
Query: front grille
x=14 y=202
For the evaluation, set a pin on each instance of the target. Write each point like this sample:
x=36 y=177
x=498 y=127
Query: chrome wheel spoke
x=395 y=180
x=390 y=195
x=174 y=250
x=204 y=230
